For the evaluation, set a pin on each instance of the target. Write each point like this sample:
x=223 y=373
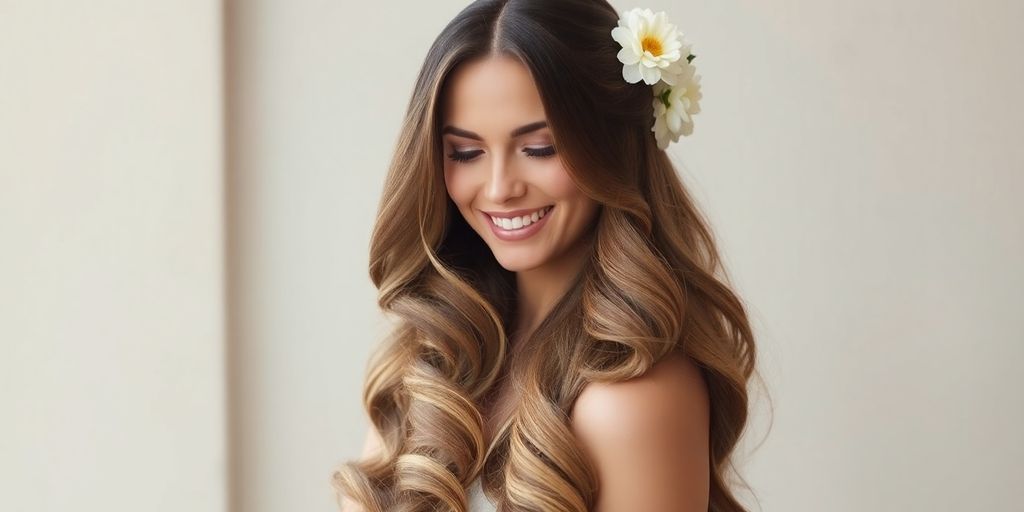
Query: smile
x=513 y=223
x=518 y=227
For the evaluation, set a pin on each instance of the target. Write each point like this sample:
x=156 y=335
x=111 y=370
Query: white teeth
x=520 y=222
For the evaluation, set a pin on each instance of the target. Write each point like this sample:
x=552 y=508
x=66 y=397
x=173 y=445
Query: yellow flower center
x=651 y=44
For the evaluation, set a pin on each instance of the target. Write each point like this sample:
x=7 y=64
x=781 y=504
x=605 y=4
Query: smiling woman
x=508 y=183
x=564 y=340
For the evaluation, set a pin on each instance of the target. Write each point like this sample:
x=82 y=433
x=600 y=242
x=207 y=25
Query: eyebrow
x=522 y=130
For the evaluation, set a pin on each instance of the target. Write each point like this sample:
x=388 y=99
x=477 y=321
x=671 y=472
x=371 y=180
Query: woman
x=563 y=343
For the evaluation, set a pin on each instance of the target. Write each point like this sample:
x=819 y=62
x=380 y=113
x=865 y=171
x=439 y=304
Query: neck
x=539 y=289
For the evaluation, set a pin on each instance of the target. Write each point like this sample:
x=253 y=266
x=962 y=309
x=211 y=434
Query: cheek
x=460 y=189
x=560 y=186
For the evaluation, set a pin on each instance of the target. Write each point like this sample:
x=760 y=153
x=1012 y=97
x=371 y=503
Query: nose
x=504 y=182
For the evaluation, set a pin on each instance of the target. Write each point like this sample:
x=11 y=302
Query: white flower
x=652 y=48
x=674 y=105
x=654 y=51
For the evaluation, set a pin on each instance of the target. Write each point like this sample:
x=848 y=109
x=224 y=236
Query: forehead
x=494 y=92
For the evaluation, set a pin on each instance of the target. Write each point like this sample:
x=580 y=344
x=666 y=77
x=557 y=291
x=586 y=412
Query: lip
x=519 y=234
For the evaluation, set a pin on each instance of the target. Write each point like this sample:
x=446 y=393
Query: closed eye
x=540 y=152
x=463 y=156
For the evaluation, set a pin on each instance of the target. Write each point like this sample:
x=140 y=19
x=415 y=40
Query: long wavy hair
x=652 y=284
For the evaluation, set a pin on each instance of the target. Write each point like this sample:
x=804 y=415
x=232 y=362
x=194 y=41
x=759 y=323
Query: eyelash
x=544 y=152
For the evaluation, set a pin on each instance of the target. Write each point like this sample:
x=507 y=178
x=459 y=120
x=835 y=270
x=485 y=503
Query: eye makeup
x=465 y=156
x=540 y=152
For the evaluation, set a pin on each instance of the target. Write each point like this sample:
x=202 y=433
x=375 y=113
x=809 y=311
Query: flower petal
x=668 y=77
x=622 y=36
x=631 y=73
x=673 y=122
x=635 y=20
x=627 y=56
x=662 y=139
x=650 y=75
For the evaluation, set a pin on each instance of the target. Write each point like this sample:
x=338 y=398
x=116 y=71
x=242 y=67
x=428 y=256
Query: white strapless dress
x=478 y=501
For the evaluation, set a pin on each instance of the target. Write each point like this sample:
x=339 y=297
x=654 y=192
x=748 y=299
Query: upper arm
x=648 y=438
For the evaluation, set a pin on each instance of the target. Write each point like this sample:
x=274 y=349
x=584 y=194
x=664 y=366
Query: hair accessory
x=654 y=51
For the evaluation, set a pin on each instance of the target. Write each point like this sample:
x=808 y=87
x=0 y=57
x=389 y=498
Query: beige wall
x=859 y=162
x=111 y=316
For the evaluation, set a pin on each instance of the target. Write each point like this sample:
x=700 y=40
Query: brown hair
x=651 y=285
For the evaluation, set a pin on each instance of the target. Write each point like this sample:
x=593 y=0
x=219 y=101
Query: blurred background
x=187 y=190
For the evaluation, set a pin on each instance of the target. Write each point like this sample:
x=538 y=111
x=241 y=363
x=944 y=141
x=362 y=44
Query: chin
x=517 y=262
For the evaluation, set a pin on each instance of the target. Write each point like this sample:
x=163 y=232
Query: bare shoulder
x=648 y=438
